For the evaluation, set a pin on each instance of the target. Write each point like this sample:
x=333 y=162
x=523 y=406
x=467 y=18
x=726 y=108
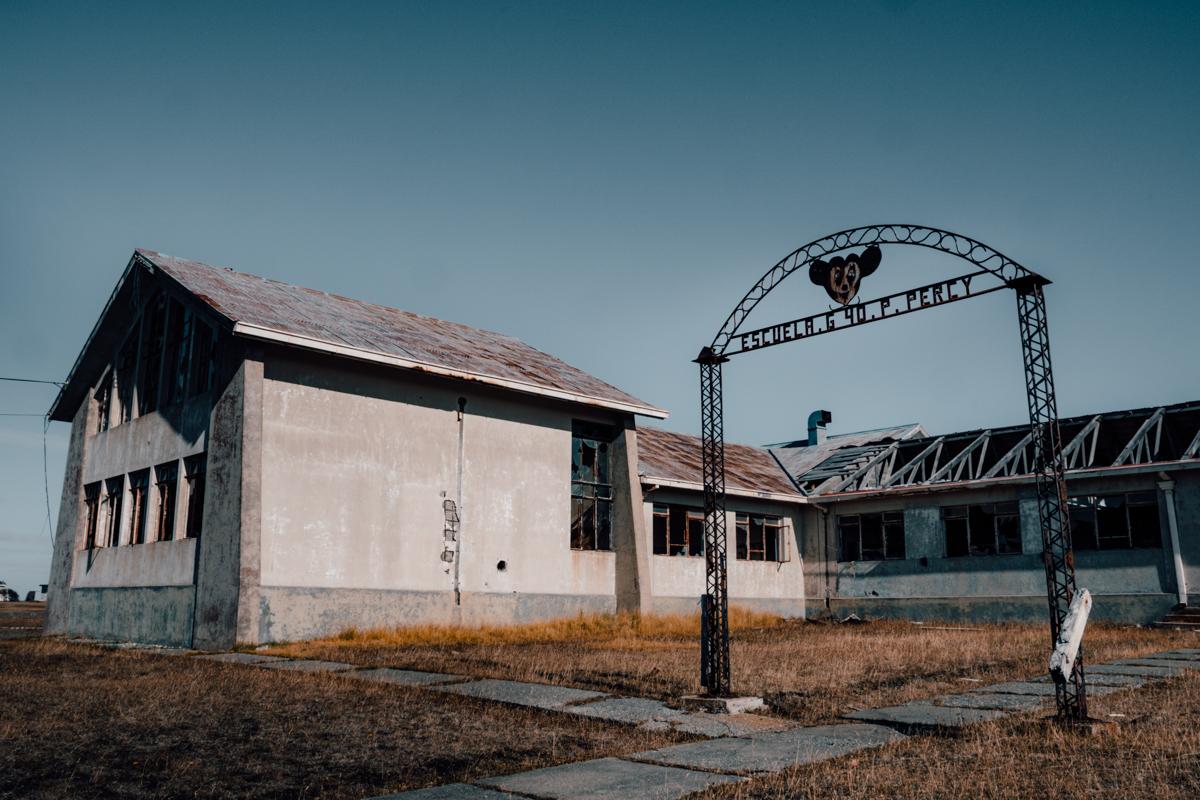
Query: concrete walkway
x=738 y=747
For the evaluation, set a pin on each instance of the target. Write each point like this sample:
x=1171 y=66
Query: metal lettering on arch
x=839 y=264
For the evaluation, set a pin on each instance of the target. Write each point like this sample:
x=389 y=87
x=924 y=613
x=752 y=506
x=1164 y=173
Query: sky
x=605 y=181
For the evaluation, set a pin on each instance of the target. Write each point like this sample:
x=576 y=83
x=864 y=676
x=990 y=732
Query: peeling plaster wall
x=356 y=463
x=678 y=581
x=1128 y=585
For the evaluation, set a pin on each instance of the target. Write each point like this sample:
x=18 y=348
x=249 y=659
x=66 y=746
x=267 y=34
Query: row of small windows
x=1098 y=522
x=168 y=357
x=679 y=531
x=145 y=506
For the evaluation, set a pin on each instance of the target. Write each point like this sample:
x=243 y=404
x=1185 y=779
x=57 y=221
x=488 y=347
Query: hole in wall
x=502 y=565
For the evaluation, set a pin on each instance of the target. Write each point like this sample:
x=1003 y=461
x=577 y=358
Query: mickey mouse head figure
x=840 y=276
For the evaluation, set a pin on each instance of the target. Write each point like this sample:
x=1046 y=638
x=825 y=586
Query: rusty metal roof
x=268 y=309
x=667 y=456
x=800 y=459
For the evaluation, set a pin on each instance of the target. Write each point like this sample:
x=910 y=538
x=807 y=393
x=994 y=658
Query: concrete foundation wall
x=291 y=613
x=1124 y=608
x=150 y=615
x=356 y=465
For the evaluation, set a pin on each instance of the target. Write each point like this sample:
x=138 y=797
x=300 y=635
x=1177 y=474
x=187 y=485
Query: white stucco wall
x=356 y=465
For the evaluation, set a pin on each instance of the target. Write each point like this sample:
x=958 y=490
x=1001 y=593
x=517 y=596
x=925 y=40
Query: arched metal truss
x=1044 y=439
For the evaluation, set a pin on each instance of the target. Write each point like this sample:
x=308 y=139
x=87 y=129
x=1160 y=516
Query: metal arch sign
x=893 y=305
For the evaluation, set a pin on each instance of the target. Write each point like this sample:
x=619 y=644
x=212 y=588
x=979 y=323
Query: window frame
x=891 y=530
x=139 y=499
x=91 y=511
x=1130 y=500
x=166 y=499
x=691 y=530
x=195 y=470
x=971 y=515
x=745 y=524
x=591 y=488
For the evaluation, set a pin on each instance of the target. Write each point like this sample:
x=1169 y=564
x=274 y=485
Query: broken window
x=982 y=530
x=91 y=513
x=126 y=373
x=678 y=530
x=591 y=490
x=759 y=538
x=871 y=537
x=202 y=358
x=175 y=366
x=1115 y=522
x=103 y=402
x=139 y=492
x=193 y=469
x=150 y=361
x=166 y=485
x=114 y=490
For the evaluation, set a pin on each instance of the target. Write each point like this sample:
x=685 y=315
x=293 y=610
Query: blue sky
x=606 y=180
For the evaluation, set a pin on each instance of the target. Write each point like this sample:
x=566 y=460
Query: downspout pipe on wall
x=1168 y=488
x=458 y=493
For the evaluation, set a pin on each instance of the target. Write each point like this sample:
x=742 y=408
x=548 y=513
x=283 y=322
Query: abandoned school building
x=252 y=461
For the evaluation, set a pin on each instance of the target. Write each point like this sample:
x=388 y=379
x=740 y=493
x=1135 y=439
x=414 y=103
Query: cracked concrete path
x=738 y=745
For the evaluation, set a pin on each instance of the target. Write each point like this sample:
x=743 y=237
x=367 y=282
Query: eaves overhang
x=650 y=482
x=266 y=334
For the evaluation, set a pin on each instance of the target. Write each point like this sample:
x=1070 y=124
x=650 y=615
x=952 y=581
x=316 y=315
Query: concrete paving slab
x=608 y=779
x=1119 y=681
x=1169 y=663
x=1131 y=669
x=240 y=658
x=1176 y=655
x=1007 y=702
x=631 y=710
x=1019 y=687
x=1039 y=689
x=714 y=725
x=404 y=677
x=308 y=665
x=923 y=716
x=451 y=791
x=1191 y=652
x=773 y=752
x=535 y=695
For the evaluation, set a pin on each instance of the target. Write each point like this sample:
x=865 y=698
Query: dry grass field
x=84 y=722
x=21 y=620
x=810 y=672
x=1151 y=753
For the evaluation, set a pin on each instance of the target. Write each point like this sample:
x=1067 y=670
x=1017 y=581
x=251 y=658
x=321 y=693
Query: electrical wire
x=60 y=384
x=29 y=414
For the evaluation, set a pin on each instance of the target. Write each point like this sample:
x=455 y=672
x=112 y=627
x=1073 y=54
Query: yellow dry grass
x=810 y=672
x=630 y=630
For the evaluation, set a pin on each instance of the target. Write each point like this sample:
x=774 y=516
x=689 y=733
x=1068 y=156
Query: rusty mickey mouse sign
x=840 y=276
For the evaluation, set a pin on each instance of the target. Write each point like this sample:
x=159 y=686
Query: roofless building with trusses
x=252 y=461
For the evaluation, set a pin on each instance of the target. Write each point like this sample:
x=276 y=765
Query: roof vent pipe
x=817 y=421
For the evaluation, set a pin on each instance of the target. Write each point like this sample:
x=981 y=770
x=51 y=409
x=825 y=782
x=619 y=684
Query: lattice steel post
x=1057 y=554
x=714 y=642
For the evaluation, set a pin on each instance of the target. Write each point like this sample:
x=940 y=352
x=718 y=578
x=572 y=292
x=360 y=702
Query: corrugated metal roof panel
x=343 y=322
x=669 y=456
